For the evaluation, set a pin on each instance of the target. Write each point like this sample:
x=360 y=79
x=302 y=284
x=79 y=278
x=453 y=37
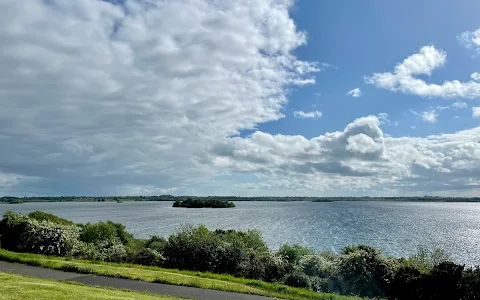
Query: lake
x=398 y=228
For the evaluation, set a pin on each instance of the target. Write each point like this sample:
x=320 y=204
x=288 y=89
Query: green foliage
x=358 y=270
x=21 y=233
x=293 y=253
x=425 y=259
x=407 y=283
x=471 y=284
x=98 y=233
x=297 y=279
x=43 y=216
x=156 y=243
x=200 y=203
x=364 y=272
x=11 y=228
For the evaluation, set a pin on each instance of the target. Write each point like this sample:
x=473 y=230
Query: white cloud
x=429 y=116
x=355 y=93
x=147 y=99
x=432 y=115
x=359 y=157
x=423 y=63
x=458 y=105
x=307 y=115
x=470 y=40
x=108 y=95
x=384 y=120
x=476 y=112
x=475 y=76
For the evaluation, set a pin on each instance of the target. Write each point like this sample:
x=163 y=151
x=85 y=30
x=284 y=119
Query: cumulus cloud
x=476 y=112
x=429 y=116
x=99 y=95
x=355 y=93
x=307 y=115
x=150 y=97
x=470 y=40
x=359 y=157
x=423 y=63
x=475 y=76
x=432 y=115
x=384 y=120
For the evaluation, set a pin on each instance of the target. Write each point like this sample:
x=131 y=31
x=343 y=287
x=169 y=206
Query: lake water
x=396 y=227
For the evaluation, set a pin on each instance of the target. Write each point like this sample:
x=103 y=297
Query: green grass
x=169 y=276
x=16 y=287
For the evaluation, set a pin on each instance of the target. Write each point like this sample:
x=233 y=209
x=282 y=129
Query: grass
x=169 y=276
x=16 y=287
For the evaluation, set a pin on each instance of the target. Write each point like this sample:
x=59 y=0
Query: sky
x=240 y=97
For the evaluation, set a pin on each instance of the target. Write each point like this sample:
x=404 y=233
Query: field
x=169 y=276
x=16 y=287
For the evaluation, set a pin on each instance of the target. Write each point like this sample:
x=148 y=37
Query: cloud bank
x=152 y=97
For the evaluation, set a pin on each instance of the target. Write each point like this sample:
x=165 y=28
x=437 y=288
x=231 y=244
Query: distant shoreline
x=120 y=199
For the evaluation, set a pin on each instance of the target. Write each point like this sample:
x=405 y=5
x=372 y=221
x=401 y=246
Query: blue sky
x=364 y=37
x=240 y=97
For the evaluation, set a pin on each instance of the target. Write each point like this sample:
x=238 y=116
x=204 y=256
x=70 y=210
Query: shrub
x=425 y=259
x=11 y=228
x=323 y=271
x=192 y=248
x=297 y=279
x=114 y=252
x=20 y=233
x=99 y=233
x=43 y=216
x=444 y=281
x=407 y=283
x=148 y=257
x=364 y=272
x=293 y=253
x=471 y=284
x=156 y=243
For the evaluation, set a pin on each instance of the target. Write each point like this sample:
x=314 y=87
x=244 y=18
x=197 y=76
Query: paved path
x=157 y=288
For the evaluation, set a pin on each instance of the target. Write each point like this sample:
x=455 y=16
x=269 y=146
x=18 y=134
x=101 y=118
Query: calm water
x=397 y=228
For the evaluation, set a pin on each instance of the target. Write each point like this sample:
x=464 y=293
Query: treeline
x=357 y=270
x=8 y=199
x=203 y=203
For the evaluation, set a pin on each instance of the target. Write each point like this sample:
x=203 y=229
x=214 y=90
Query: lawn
x=169 y=276
x=16 y=287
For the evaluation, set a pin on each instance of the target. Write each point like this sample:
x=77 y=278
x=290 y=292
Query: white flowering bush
x=21 y=233
x=114 y=252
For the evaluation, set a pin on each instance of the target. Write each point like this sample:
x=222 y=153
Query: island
x=201 y=203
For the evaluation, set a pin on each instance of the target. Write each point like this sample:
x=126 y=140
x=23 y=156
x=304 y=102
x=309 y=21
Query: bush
x=407 y=283
x=425 y=259
x=11 y=228
x=444 y=281
x=192 y=249
x=364 y=272
x=263 y=265
x=471 y=284
x=148 y=257
x=99 y=233
x=293 y=253
x=297 y=279
x=156 y=243
x=323 y=271
x=114 y=252
x=21 y=233
x=43 y=216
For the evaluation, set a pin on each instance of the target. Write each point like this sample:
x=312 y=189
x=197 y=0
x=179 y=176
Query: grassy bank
x=14 y=287
x=169 y=276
